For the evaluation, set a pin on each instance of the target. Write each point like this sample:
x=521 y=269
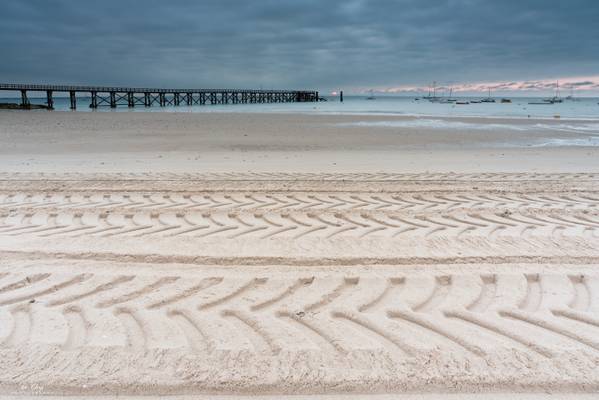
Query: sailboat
x=433 y=98
x=428 y=96
x=489 y=99
x=556 y=98
x=448 y=99
x=571 y=96
x=371 y=97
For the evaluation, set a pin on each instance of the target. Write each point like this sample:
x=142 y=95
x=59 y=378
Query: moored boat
x=489 y=99
x=556 y=98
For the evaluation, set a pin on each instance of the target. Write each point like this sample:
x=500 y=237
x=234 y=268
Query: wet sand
x=218 y=142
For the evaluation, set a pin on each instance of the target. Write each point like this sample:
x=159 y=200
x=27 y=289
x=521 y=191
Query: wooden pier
x=104 y=96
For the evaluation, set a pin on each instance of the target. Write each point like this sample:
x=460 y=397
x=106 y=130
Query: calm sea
x=581 y=108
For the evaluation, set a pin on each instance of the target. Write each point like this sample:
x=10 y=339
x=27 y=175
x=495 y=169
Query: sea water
x=580 y=108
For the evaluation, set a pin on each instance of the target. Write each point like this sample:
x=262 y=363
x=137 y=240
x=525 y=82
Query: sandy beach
x=239 y=142
x=334 y=200
x=278 y=254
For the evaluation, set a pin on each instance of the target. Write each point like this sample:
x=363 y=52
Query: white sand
x=145 y=142
x=188 y=282
x=413 y=396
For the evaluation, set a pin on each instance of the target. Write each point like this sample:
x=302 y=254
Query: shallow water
x=587 y=131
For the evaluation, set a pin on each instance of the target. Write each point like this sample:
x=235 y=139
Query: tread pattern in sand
x=303 y=176
x=298 y=283
x=298 y=201
x=403 y=314
x=296 y=215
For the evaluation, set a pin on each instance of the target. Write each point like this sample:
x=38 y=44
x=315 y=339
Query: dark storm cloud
x=296 y=43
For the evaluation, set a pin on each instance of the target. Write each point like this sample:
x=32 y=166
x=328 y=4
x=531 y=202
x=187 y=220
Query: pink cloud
x=588 y=83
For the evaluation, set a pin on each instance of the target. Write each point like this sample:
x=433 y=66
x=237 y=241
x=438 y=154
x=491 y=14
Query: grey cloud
x=296 y=43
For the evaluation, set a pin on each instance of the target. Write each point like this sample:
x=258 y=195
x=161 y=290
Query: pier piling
x=24 y=99
x=49 y=99
x=73 y=98
x=94 y=100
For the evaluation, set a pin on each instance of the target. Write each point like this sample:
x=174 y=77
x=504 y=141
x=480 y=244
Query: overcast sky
x=322 y=44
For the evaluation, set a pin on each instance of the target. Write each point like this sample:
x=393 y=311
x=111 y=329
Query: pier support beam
x=94 y=100
x=130 y=99
x=189 y=99
x=112 y=99
x=162 y=98
x=73 y=99
x=147 y=100
x=49 y=99
x=24 y=99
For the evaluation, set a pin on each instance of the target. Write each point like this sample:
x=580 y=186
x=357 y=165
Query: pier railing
x=113 y=96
